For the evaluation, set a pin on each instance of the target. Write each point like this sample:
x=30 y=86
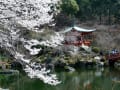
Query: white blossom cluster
x=29 y=13
x=15 y=14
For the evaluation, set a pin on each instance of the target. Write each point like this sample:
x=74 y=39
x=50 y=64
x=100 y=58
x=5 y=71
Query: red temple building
x=78 y=36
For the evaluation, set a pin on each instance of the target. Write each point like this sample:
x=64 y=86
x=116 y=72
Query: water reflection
x=82 y=79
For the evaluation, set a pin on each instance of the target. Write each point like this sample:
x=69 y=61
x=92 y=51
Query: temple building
x=78 y=36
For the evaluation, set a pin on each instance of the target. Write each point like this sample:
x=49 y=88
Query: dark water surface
x=82 y=79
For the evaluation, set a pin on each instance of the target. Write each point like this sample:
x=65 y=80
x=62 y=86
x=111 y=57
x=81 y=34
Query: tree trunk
x=109 y=17
x=100 y=18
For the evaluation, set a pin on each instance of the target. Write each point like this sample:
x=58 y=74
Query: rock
x=68 y=68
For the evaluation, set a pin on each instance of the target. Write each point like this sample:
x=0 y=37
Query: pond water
x=81 y=79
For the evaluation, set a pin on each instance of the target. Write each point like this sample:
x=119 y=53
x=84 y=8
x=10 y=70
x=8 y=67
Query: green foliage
x=96 y=49
x=3 y=58
x=70 y=7
x=37 y=46
x=104 y=11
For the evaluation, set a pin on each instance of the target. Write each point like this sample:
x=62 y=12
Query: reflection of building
x=77 y=36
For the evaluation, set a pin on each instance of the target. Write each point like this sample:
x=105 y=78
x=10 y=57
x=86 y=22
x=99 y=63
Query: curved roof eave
x=79 y=29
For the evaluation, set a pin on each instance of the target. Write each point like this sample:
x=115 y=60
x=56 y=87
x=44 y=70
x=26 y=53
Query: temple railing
x=78 y=43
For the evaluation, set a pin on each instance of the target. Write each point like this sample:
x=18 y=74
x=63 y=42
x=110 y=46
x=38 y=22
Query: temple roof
x=79 y=29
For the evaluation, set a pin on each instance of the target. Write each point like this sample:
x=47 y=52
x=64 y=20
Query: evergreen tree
x=70 y=7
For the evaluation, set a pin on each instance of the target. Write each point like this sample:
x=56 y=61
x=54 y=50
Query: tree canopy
x=104 y=11
x=70 y=7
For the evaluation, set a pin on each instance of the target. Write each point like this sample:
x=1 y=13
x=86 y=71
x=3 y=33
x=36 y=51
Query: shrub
x=96 y=49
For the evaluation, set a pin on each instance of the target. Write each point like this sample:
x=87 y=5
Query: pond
x=81 y=79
